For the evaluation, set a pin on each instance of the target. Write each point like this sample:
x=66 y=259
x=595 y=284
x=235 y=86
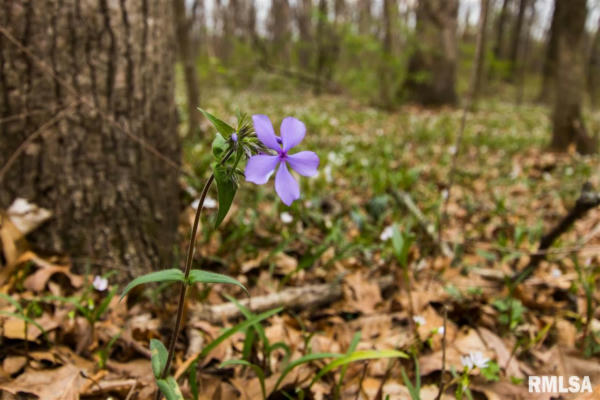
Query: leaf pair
x=176 y=275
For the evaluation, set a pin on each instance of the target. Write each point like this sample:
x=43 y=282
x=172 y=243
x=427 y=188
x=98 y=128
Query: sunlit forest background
x=447 y=246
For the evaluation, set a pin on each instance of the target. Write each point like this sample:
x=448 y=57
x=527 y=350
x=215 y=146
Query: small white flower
x=452 y=150
x=445 y=194
x=419 y=320
x=286 y=217
x=466 y=362
x=440 y=330
x=478 y=359
x=387 y=233
x=556 y=273
x=100 y=283
x=328 y=175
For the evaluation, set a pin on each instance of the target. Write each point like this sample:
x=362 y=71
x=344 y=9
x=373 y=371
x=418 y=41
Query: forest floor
x=393 y=286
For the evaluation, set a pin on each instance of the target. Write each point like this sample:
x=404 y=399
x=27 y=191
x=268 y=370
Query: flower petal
x=292 y=132
x=264 y=131
x=260 y=167
x=286 y=186
x=305 y=162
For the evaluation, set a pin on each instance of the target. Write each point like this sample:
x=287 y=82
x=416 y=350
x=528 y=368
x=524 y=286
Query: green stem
x=188 y=268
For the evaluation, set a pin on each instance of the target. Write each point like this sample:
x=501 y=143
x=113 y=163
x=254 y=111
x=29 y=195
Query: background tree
x=550 y=58
x=568 y=125
x=594 y=67
x=432 y=67
x=480 y=50
x=187 y=51
x=501 y=29
x=517 y=36
x=88 y=92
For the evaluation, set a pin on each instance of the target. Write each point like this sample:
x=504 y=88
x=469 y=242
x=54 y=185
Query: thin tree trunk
x=187 y=56
x=551 y=58
x=364 y=17
x=385 y=89
x=500 y=30
x=568 y=125
x=303 y=14
x=107 y=167
x=524 y=56
x=516 y=39
x=480 y=51
x=432 y=68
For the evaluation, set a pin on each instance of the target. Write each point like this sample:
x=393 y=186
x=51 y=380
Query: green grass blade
x=302 y=360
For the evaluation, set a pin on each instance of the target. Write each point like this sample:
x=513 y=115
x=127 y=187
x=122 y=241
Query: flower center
x=282 y=155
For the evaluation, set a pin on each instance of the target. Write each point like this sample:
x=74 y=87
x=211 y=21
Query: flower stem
x=188 y=268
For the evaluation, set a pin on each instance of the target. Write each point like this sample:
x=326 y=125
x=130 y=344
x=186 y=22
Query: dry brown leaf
x=51 y=384
x=13 y=364
x=361 y=294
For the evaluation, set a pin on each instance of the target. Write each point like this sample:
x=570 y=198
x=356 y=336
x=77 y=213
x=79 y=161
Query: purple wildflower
x=234 y=137
x=260 y=167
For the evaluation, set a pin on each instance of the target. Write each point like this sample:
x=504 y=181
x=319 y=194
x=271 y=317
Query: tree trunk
x=187 y=56
x=568 y=124
x=385 y=74
x=280 y=19
x=364 y=17
x=500 y=29
x=516 y=39
x=480 y=51
x=551 y=58
x=303 y=14
x=594 y=68
x=86 y=96
x=432 y=67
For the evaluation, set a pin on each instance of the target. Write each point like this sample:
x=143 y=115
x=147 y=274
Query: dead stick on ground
x=305 y=297
x=441 y=391
x=587 y=200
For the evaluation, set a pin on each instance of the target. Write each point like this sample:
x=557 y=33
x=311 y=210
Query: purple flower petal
x=264 y=131
x=286 y=186
x=305 y=162
x=292 y=132
x=260 y=167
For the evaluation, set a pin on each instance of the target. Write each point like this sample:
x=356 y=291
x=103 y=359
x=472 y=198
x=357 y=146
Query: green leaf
x=238 y=328
x=351 y=348
x=104 y=304
x=199 y=275
x=260 y=374
x=219 y=145
x=358 y=356
x=159 y=355
x=223 y=128
x=170 y=388
x=166 y=275
x=302 y=360
x=27 y=320
x=226 y=188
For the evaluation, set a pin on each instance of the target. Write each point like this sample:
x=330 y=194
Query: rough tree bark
x=303 y=15
x=389 y=15
x=93 y=82
x=568 y=124
x=550 y=59
x=432 y=67
x=187 y=56
x=594 y=68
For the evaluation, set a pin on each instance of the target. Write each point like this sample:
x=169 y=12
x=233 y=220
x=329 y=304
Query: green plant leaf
x=27 y=320
x=260 y=374
x=351 y=348
x=226 y=188
x=358 y=356
x=159 y=355
x=302 y=360
x=170 y=388
x=199 y=275
x=219 y=146
x=166 y=275
x=238 y=328
x=222 y=127
x=105 y=303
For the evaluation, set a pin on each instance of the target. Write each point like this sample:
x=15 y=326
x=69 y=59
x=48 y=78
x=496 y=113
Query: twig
x=588 y=199
x=305 y=297
x=441 y=390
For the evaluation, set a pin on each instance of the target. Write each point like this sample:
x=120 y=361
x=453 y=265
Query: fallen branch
x=300 y=298
x=587 y=200
x=404 y=198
